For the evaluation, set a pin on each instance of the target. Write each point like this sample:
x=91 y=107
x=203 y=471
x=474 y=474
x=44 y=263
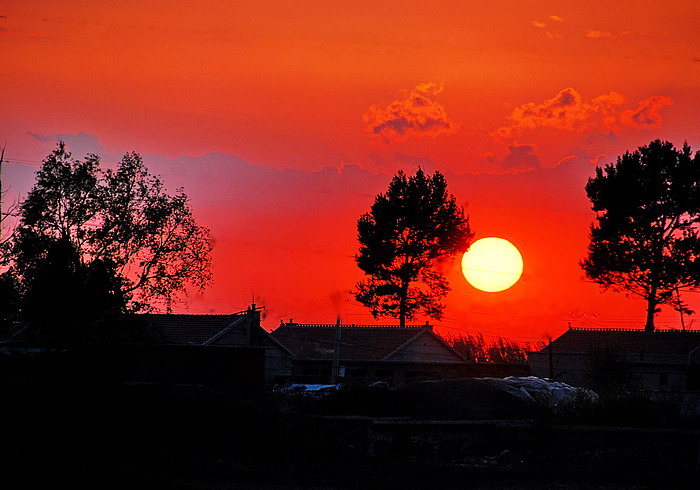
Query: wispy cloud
x=596 y=159
x=551 y=34
x=4 y=31
x=595 y=34
x=416 y=113
x=40 y=137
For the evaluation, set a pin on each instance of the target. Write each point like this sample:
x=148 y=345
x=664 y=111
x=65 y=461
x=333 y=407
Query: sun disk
x=492 y=264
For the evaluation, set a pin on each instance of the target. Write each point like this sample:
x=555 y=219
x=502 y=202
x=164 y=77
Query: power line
x=20 y=161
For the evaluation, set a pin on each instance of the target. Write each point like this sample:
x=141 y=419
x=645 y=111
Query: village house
x=237 y=330
x=229 y=351
x=326 y=353
x=663 y=360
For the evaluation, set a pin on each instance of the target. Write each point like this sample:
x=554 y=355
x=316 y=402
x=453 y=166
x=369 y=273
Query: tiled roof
x=657 y=343
x=187 y=329
x=174 y=329
x=357 y=342
x=165 y=328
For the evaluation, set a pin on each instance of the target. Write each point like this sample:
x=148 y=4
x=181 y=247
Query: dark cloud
x=79 y=145
x=566 y=97
x=646 y=115
x=82 y=144
x=521 y=157
x=40 y=137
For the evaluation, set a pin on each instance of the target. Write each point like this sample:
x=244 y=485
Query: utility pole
x=551 y=360
x=2 y=158
x=680 y=308
x=335 y=368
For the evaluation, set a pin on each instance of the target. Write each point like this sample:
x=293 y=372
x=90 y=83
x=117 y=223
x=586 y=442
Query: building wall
x=238 y=369
x=424 y=349
x=669 y=374
x=659 y=377
x=400 y=373
x=278 y=366
x=568 y=368
x=247 y=332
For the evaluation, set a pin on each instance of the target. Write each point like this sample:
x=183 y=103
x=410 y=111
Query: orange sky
x=283 y=120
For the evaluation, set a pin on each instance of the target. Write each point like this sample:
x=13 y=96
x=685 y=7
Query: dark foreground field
x=128 y=436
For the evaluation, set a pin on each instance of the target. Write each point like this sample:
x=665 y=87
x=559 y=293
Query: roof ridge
x=186 y=314
x=665 y=330
x=352 y=325
x=397 y=349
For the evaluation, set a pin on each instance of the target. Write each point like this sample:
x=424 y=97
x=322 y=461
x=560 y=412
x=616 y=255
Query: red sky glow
x=283 y=120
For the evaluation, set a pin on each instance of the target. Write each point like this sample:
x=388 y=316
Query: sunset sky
x=283 y=120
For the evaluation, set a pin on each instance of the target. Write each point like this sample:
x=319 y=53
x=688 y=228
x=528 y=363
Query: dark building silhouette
x=238 y=330
x=654 y=361
x=326 y=352
x=228 y=351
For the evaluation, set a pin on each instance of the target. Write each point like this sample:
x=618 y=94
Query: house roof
x=210 y=330
x=238 y=329
x=657 y=343
x=187 y=329
x=167 y=328
x=357 y=342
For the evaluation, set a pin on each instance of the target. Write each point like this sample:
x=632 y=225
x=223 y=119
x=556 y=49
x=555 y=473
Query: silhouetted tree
x=3 y=214
x=471 y=347
x=114 y=228
x=645 y=238
x=69 y=301
x=411 y=227
x=507 y=351
x=501 y=350
x=9 y=301
x=6 y=212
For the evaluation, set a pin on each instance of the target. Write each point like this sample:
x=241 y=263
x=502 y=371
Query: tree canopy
x=645 y=239
x=82 y=228
x=408 y=231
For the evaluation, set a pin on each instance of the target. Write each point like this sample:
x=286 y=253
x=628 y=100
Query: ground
x=194 y=437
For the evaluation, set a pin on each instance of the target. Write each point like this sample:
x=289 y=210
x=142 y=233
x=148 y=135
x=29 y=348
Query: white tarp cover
x=532 y=388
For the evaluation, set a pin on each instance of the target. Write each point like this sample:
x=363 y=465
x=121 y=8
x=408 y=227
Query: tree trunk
x=652 y=299
x=651 y=308
x=402 y=304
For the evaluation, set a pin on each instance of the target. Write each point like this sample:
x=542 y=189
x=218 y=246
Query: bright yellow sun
x=492 y=264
